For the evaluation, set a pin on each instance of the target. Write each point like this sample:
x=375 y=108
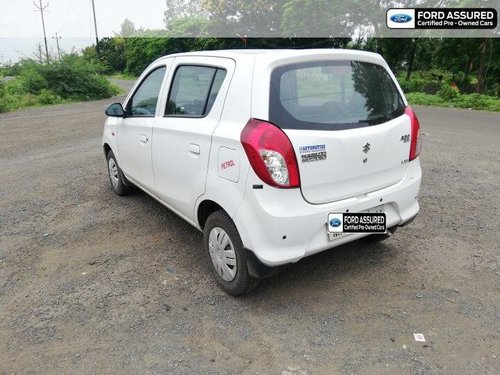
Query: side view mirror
x=115 y=110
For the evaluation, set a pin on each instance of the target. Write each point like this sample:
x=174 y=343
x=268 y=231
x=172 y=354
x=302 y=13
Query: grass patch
x=469 y=101
x=15 y=100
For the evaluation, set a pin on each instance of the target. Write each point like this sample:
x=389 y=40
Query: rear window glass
x=333 y=95
x=194 y=90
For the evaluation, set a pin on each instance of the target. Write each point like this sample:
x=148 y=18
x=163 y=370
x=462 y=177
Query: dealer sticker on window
x=357 y=222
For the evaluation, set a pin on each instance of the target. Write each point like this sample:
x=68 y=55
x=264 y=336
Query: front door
x=134 y=134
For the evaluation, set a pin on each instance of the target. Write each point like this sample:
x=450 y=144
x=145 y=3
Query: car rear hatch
x=346 y=121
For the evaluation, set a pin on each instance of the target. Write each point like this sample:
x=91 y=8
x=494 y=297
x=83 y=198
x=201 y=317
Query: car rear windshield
x=333 y=95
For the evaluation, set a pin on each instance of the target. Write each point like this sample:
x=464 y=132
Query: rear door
x=346 y=122
x=197 y=87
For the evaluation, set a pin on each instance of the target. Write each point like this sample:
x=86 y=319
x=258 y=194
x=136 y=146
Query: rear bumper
x=279 y=227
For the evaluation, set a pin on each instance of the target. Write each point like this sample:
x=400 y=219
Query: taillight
x=271 y=154
x=416 y=143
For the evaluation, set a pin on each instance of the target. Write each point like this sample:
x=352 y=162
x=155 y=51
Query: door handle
x=194 y=149
x=143 y=139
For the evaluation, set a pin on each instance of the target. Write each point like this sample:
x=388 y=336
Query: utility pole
x=96 y=35
x=57 y=37
x=40 y=54
x=41 y=8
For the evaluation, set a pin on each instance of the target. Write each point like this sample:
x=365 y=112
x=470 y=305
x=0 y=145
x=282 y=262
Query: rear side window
x=194 y=90
x=333 y=95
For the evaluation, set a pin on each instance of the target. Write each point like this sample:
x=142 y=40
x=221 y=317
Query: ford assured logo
x=335 y=222
x=401 y=18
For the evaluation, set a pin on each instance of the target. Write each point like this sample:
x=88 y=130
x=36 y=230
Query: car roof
x=279 y=54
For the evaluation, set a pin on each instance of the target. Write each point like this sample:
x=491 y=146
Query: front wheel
x=228 y=259
x=116 y=177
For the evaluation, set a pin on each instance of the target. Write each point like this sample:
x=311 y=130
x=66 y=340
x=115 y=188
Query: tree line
x=472 y=64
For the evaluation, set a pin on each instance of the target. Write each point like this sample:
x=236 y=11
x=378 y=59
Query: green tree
x=128 y=29
x=112 y=54
x=244 y=18
x=321 y=17
x=180 y=9
x=188 y=27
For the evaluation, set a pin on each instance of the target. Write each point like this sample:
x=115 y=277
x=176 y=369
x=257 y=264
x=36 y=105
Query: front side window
x=333 y=95
x=194 y=90
x=145 y=99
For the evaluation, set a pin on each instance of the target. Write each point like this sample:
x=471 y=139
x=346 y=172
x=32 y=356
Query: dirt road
x=94 y=283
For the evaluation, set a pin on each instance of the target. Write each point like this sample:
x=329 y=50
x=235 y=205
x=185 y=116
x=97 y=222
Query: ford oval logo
x=335 y=222
x=401 y=18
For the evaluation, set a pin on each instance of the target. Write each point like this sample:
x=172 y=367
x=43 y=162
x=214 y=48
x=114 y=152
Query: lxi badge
x=357 y=222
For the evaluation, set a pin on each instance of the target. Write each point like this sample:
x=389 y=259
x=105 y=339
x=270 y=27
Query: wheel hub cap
x=222 y=253
x=113 y=172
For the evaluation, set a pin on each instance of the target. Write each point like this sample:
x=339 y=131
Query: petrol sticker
x=227 y=164
x=312 y=153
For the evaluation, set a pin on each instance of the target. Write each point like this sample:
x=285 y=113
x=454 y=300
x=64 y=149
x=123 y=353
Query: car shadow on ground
x=331 y=269
x=327 y=269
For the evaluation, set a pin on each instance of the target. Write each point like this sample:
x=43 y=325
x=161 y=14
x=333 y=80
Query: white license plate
x=336 y=236
x=377 y=209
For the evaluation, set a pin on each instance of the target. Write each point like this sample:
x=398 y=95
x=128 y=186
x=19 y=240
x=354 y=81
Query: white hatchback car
x=266 y=150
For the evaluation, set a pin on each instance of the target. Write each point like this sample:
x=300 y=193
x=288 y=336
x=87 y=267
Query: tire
x=376 y=238
x=227 y=258
x=116 y=178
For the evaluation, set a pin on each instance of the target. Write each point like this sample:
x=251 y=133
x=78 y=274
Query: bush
x=432 y=87
x=48 y=97
x=424 y=99
x=420 y=85
x=71 y=78
x=447 y=92
x=467 y=87
x=473 y=101
x=31 y=80
x=478 y=101
x=413 y=85
x=3 y=103
x=14 y=87
x=74 y=78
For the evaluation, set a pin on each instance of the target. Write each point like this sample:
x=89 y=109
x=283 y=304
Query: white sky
x=72 y=20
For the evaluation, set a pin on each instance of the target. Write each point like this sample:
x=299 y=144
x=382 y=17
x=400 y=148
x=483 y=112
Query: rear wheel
x=116 y=177
x=228 y=259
